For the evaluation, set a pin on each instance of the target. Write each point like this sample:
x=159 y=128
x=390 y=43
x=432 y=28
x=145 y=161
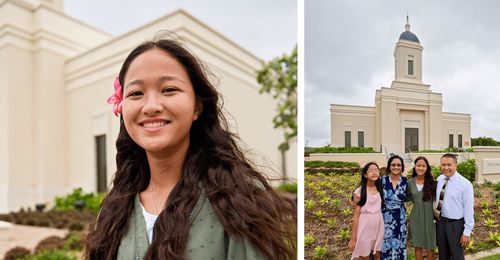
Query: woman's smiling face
x=159 y=104
x=396 y=166
x=420 y=167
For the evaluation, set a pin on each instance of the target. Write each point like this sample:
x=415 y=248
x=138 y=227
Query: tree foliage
x=278 y=77
x=484 y=141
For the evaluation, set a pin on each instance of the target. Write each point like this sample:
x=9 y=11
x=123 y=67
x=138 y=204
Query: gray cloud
x=349 y=47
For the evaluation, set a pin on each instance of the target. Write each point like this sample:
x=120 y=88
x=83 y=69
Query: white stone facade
x=407 y=116
x=55 y=76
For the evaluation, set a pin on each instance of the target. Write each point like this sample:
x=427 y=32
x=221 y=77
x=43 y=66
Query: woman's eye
x=168 y=90
x=134 y=94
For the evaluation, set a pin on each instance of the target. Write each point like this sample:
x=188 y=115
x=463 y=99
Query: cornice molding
x=15 y=36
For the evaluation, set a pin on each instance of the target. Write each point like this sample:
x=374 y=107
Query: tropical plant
x=487 y=212
x=494 y=237
x=347 y=211
x=309 y=204
x=331 y=223
x=320 y=214
x=308 y=240
x=344 y=234
x=324 y=201
x=490 y=222
x=278 y=77
x=335 y=203
x=320 y=252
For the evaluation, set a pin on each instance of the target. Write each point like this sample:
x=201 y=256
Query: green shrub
x=92 y=201
x=76 y=226
x=496 y=186
x=435 y=171
x=328 y=149
x=74 y=241
x=52 y=255
x=288 y=187
x=17 y=252
x=468 y=169
x=329 y=164
x=447 y=150
x=330 y=171
x=484 y=141
x=49 y=244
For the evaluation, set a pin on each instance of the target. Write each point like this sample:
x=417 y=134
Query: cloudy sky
x=266 y=28
x=349 y=47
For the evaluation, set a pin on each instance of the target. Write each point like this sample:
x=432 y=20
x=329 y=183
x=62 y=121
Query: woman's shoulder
x=357 y=191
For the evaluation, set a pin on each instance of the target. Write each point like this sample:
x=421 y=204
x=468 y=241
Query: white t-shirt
x=420 y=187
x=150 y=222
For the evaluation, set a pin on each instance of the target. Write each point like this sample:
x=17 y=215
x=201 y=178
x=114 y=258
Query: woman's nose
x=152 y=104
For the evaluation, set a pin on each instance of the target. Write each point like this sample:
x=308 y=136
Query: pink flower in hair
x=117 y=98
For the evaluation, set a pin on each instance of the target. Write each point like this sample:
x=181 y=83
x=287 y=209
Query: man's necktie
x=437 y=211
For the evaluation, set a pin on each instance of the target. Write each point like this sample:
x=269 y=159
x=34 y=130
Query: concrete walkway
x=483 y=254
x=25 y=236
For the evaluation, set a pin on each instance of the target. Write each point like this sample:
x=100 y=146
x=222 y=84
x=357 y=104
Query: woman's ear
x=197 y=110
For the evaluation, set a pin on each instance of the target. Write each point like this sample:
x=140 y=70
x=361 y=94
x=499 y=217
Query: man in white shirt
x=455 y=201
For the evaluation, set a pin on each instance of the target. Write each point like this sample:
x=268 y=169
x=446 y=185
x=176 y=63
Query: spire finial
x=407 y=26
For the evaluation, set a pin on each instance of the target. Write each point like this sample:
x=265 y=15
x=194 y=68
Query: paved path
x=483 y=254
x=25 y=236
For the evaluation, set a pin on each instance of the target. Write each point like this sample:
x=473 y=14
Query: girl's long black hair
x=364 y=181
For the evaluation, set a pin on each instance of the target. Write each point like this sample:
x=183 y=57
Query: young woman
x=367 y=223
x=183 y=188
x=393 y=209
x=422 y=192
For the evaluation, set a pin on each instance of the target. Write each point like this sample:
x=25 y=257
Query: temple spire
x=407 y=26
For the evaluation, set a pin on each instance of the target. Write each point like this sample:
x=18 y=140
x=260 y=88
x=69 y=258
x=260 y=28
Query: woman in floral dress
x=393 y=209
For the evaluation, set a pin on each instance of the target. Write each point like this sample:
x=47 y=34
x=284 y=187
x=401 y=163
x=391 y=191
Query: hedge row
x=328 y=149
x=330 y=164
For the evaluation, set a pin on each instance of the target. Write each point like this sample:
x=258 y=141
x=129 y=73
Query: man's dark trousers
x=448 y=234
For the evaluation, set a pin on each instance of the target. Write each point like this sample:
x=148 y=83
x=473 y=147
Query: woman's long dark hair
x=388 y=169
x=429 y=182
x=214 y=161
x=364 y=181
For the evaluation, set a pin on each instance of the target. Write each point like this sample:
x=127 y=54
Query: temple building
x=56 y=72
x=407 y=116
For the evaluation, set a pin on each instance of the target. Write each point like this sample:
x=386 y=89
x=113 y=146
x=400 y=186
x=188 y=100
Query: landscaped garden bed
x=76 y=212
x=328 y=216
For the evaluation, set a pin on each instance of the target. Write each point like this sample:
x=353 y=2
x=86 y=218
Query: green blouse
x=207 y=239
